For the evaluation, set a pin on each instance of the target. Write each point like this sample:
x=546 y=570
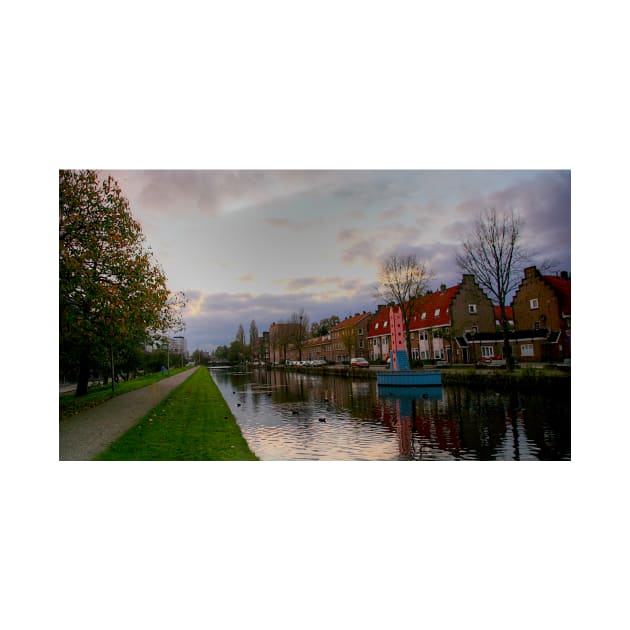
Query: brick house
x=281 y=342
x=319 y=348
x=445 y=325
x=349 y=337
x=542 y=315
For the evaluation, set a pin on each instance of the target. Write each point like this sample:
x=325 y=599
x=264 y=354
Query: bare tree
x=253 y=340
x=493 y=254
x=403 y=280
x=299 y=330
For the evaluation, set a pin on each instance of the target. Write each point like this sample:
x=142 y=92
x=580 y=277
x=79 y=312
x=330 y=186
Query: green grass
x=192 y=423
x=69 y=405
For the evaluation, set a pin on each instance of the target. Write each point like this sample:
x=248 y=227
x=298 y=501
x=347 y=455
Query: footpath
x=90 y=432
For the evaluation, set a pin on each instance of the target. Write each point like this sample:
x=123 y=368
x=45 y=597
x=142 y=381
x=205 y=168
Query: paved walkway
x=85 y=435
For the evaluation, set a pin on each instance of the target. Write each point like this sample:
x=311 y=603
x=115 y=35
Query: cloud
x=347 y=235
x=215 y=317
x=362 y=250
x=214 y=192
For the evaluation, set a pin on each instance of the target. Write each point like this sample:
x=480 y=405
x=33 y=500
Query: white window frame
x=472 y=309
x=533 y=304
x=436 y=313
x=487 y=351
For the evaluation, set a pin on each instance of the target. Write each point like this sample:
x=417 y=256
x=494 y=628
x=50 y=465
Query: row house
x=542 y=315
x=319 y=348
x=441 y=324
x=346 y=340
x=349 y=337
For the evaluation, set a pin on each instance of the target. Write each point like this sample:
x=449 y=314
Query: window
x=439 y=354
x=422 y=335
x=376 y=326
x=536 y=325
x=472 y=308
x=437 y=312
x=385 y=325
x=423 y=316
x=487 y=352
x=527 y=350
x=360 y=343
x=533 y=304
x=361 y=331
x=424 y=354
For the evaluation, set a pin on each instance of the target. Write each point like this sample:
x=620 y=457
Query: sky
x=260 y=245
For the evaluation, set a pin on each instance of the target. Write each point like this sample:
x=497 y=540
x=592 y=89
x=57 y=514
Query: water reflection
x=289 y=415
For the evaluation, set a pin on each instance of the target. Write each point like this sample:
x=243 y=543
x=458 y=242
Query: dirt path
x=85 y=435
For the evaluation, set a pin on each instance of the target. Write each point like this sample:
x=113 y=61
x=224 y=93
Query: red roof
x=562 y=288
x=437 y=302
x=350 y=321
x=435 y=307
x=377 y=325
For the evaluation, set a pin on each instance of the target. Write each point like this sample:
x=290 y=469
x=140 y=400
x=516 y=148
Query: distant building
x=177 y=345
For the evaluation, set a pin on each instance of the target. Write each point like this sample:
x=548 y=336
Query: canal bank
x=194 y=422
x=499 y=378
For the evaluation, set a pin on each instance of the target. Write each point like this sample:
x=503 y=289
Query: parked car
x=318 y=363
x=359 y=362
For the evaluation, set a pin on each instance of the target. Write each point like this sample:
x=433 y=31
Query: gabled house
x=445 y=325
x=542 y=315
x=430 y=325
x=378 y=335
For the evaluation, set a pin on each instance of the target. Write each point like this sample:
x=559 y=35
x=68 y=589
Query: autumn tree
x=494 y=255
x=402 y=280
x=350 y=339
x=112 y=293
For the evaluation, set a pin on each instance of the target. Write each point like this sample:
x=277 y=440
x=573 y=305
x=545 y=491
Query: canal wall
x=469 y=376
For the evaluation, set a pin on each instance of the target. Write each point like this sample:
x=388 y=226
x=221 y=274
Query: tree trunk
x=84 y=373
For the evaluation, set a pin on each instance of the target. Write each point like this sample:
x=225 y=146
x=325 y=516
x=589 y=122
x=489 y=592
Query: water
x=295 y=416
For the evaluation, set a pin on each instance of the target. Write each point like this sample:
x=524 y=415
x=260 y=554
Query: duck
x=322 y=419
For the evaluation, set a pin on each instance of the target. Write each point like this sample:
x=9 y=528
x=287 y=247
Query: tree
x=493 y=254
x=240 y=335
x=112 y=293
x=402 y=280
x=253 y=340
x=299 y=326
x=238 y=348
x=323 y=327
x=349 y=339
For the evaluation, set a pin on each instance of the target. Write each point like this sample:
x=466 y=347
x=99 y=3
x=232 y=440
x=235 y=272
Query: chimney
x=442 y=288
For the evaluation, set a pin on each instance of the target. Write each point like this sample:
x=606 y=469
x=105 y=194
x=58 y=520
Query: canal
x=287 y=415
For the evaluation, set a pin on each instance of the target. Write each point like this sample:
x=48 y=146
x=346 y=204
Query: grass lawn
x=192 y=423
x=69 y=405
